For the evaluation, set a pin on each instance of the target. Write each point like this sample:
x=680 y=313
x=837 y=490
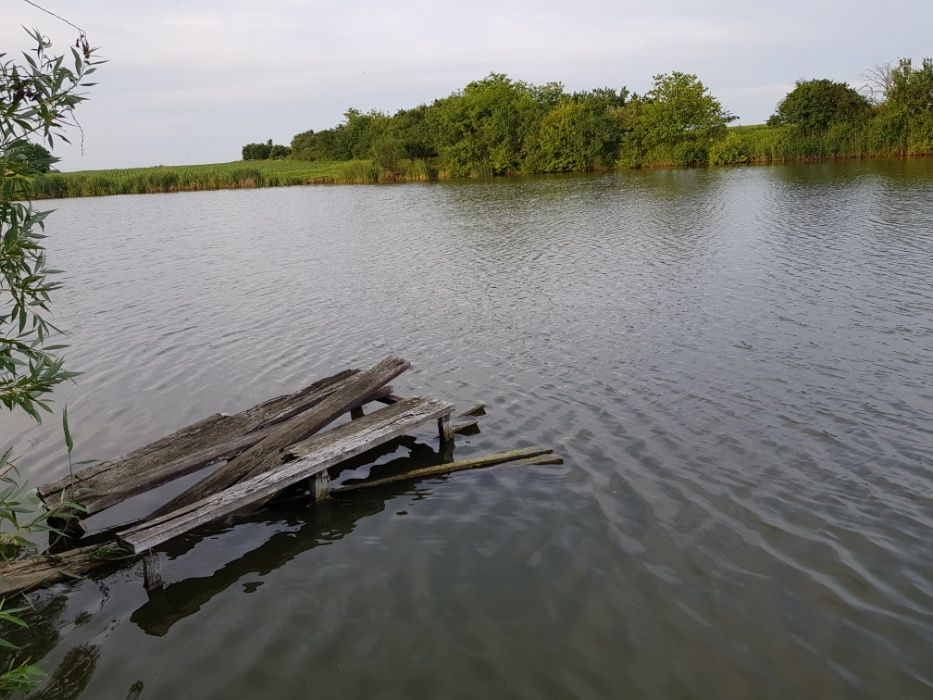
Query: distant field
x=182 y=178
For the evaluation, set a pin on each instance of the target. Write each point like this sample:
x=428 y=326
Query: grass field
x=184 y=178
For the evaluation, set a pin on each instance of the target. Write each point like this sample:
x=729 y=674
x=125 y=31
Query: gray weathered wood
x=314 y=455
x=466 y=426
x=445 y=429
x=43 y=569
x=209 y=441
x=320 y=486
x=477 y=409
x=152 y=572
x=526 y=455
x=267 y=453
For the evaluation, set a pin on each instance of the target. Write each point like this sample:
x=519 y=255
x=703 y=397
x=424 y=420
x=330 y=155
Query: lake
x=736 y=364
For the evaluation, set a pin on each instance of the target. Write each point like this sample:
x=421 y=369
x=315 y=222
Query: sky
x=191 y=81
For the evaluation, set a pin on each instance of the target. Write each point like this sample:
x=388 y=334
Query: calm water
x=735 y=363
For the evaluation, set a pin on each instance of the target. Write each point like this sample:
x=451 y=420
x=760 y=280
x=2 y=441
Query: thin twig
x=49 y=12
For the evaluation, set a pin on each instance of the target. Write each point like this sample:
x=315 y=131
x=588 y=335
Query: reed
x=186 y=178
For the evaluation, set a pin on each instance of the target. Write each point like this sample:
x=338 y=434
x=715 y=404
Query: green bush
x=731 y=150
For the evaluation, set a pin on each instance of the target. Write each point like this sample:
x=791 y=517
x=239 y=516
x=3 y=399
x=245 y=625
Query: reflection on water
x=734 y=363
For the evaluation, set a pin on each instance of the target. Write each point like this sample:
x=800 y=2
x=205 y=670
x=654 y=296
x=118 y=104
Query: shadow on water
x=321 y=525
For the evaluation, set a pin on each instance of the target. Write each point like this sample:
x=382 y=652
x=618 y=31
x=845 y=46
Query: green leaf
x=69 y=443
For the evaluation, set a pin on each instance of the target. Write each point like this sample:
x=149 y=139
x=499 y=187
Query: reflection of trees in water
x=74 y=672
x=72 y=675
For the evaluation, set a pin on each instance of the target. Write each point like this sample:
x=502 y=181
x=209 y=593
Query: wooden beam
x=445 y=430
x=206 y=442
x=43 y=569
x=527 y=455
x=478 y=409
x=465 y=427
x=152 y=572
x=267 y=453
x=313 y=457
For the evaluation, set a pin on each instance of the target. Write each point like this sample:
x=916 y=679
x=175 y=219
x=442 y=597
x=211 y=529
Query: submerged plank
x=527 y=455
x=314 y=455
x=43 y=569
x=267 y=453
x=209 y=441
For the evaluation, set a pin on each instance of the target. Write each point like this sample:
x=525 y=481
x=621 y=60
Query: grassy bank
x=758 y=144
x=187 y=178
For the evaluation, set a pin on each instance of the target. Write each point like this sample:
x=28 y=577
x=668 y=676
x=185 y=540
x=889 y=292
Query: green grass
x=185 y=178
x=752 y=144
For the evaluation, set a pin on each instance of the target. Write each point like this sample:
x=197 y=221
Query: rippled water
x=735 y=363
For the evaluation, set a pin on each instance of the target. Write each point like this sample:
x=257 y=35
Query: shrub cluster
x=265 y=151
x=498 y=126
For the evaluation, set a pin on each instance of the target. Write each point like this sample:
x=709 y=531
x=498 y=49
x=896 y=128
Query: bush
x=729 y=151
x=814 y=105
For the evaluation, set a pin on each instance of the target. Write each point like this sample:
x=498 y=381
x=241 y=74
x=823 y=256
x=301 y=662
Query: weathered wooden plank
x=185 y=451
x=314 y=455
x=445 y=429
x=465 y=427
x=43 y=569
x=152 y=572
x=267 y=453
x=527 y=455
x=477 y=409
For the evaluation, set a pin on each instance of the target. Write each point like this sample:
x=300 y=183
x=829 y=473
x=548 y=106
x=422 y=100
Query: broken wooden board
x=314 y=455
x=214 y=439
x=42 y=569
x=267 y=453
x=526 y=455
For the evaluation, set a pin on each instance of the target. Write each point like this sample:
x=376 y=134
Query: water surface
x=735 y=363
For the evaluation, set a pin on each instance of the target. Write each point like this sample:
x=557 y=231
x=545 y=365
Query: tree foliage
x=815 y=105
x=911 y=89
x=38 y=96
x=498 y=125
x=265 y=151
x=680 y=108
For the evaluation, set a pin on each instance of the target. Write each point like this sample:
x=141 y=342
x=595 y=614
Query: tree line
x=498 y=125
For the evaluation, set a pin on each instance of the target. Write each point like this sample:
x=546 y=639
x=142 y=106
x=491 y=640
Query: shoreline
x=245 y=175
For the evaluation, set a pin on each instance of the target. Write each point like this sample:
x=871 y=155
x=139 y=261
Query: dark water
x=736 y=364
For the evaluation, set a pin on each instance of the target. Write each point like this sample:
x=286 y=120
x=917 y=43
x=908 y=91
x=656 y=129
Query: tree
x=36 y=156
x=679 y=107
x=815 y=105
x=878 y=82
x=38 y=97
x=580 y=134
x=265 y=151
x=486 y=128
x=911 y=89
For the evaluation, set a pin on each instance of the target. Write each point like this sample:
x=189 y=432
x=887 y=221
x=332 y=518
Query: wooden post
x=356 y=412
x=320 y=486
x=445 y=429
x=152 y=573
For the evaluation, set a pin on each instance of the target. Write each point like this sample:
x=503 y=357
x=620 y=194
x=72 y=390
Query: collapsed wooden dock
x=280 y=445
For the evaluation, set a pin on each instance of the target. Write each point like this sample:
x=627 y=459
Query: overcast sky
x=191 y=81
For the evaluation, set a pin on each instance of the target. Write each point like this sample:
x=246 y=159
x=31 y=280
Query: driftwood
x=478 y=409
x=527 y=455
x=217 y=438
x=267 y=453
x=42 y=569
x=268 y=448
x=313 y=456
